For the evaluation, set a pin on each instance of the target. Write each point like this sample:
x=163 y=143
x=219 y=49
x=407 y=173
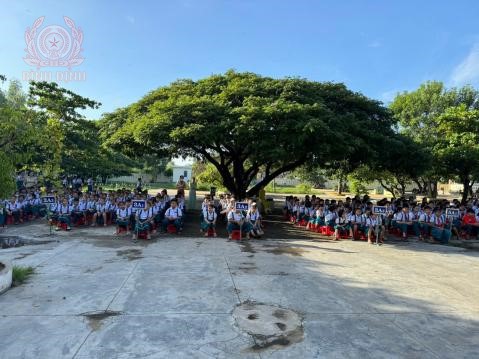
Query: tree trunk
x=340 y=185
x=465 y=189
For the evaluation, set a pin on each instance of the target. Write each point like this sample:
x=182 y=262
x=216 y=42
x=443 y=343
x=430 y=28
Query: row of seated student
x=425 y=220
x=72 y=207
x=248 y=223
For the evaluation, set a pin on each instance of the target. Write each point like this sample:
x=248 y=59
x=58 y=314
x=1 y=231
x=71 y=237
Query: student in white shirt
x=144 y=217
x=235 y=222
x=64 y=213
x=173 y=215
x=100 y=213
x=209 y=220
x=374 y=227
x=253 y=222
x=123 y=218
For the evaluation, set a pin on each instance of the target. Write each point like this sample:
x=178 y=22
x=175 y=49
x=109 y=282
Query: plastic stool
x=236 y=235
x=171 y=228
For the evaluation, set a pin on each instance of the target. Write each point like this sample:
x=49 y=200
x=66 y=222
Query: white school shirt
x=210 y=216
x=82 y=205
x=90 y=205
x=145 y=214
x=341 y=220
x=425 y=218
x=62 y=209
x=357 y=219
x=253 y=216
x=123 y=213
x=175 y=213
x=372 y=222
x=331 y=216
x=101 y=207
x=438 y=220
x=402 y=217
x=235 y=216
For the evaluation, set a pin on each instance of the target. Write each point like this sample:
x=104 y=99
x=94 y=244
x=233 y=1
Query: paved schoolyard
x=94 y=297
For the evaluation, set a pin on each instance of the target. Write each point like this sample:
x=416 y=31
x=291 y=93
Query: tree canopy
x=245 y=124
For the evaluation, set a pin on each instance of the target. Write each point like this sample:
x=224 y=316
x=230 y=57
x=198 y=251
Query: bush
x=21 y=274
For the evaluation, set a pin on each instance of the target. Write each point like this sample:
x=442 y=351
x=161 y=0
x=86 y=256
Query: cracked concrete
x=94 y=297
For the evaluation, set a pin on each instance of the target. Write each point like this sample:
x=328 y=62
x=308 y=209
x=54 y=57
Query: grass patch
x=21 y=274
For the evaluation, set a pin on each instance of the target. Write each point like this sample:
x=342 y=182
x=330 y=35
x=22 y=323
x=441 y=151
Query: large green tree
x=418 y=114
x=458 y=147
x=245 y=124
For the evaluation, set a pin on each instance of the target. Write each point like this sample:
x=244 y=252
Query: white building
x=183 y=168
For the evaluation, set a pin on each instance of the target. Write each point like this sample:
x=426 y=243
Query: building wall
x=181 y=171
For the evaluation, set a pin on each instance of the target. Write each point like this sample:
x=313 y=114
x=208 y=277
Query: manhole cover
x=269 y=325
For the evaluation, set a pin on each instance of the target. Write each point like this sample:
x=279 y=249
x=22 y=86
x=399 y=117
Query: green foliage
x=7 y=184
x=21 y=274
x=357 y=186
x=244 y=124
x=428 y=117
x=313 y=176
x=168 y=170
x=207 y=174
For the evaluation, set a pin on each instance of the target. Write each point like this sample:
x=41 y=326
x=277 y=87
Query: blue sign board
x=380 y=210
x=242 y=206
x=48 y=199
x=452 y=212
x=138 y=204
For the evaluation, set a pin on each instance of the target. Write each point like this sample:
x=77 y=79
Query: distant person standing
x=90 y=183
x=192 y=194
x=20 y=181
x=180 y=186
x=139 y=185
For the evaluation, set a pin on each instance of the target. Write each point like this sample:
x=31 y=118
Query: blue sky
x=377 y=47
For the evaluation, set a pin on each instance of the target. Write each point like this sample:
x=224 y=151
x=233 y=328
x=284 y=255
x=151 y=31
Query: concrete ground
x=173 y=297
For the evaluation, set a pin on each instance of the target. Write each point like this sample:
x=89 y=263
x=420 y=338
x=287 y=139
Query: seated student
x=14 y=208
x=38 y=209
x=235 y=222
x=300 y=212
x=158 y=212
x=315 y=219
x=330 y=216
x=357 y=223
x=144 y=217
x=439 y=232
x=110 y=208
x=374 y=227
x=76 y=213
x=405 y=220
x=123 y=217
x=26 y=207
x=165 y=199
x=100 y=213
x=469 y=224
x=64 y=211
x=90 y=208
x=288 y=206
x=173 y=215
x=341 y=225
x=425 y=223
x=209 y=220
x=53 y=210
x=253 y=221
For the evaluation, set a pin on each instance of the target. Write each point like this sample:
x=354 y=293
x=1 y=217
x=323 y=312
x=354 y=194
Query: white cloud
x=467 y=72
x=130 y=19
